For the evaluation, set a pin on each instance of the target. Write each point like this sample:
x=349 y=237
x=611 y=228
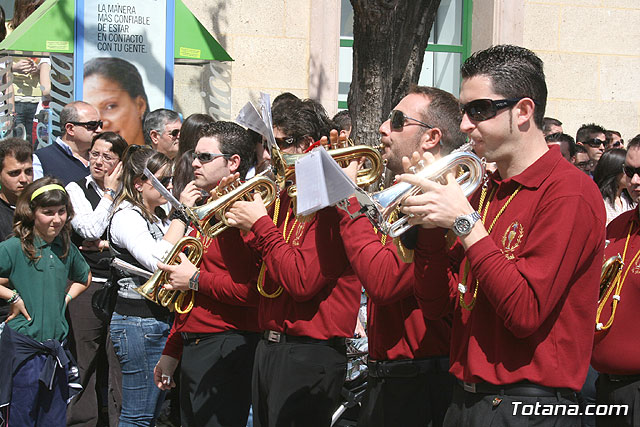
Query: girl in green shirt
x=39 y=261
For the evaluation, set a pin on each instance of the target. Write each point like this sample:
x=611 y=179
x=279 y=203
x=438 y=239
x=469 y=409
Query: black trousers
x=89 y=336
x=610 y=392
x=297 y=384
x=497 y=410
x=215 y=381
x=421 y=400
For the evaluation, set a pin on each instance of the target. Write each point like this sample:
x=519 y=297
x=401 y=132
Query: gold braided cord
x=263 y=267
x=617 y=284
x=467 y=265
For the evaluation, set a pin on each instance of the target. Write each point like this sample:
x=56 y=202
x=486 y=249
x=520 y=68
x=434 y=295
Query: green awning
x=51 y=29
x=192 y=40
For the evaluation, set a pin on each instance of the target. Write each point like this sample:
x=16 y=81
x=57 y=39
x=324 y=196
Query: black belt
x=196 y=336
x=523 y=389
x=280 y=337
x=623 y=378
x=406 y=368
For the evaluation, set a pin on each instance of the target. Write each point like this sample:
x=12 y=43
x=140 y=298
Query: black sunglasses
x=165 y=180
x=480 y=110
x=208 y=157
x=630 y=171
x=397 y=120
x=595 y=142
x=90 y=125
x=174 y=133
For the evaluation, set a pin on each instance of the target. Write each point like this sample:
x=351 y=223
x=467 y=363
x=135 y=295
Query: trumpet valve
x=413 y=169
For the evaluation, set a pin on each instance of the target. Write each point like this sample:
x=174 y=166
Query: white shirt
x=129 y=231
x=87 y=222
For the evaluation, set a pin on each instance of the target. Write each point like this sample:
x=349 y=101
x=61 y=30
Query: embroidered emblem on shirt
x=636 y=268
x=511 y=239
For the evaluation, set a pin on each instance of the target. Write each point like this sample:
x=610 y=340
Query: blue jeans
x=138 y=343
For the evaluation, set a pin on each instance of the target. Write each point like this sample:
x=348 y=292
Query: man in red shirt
x=616 y=349
x=309 y=295
x=523 y=276
x=216 y=340
x=409 y=383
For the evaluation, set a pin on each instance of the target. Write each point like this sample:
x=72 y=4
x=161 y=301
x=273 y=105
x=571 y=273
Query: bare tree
x=389 y=40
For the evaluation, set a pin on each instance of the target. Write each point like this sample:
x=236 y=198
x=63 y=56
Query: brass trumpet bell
x=234 y=192
x=379 y=206
x=284 y=164
x=174 y=300
x=610 y=271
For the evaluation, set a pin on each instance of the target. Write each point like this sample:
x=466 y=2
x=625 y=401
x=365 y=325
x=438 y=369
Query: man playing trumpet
x=216 y=340
x=309 y=296
x=408 y=383
x=522 y=279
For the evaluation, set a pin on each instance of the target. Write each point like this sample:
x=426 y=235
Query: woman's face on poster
x=118 y=111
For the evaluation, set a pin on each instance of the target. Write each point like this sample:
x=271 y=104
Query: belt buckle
x=470 y=387
x=274 y=336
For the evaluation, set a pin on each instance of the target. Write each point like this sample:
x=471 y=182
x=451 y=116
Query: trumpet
x=175 y=300
x=234 y=192
x=379 y=206
x=610 y=271
x=284 y=165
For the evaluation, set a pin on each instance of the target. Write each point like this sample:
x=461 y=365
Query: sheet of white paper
x=249 y=117
x=320 y=182
x=265 y=106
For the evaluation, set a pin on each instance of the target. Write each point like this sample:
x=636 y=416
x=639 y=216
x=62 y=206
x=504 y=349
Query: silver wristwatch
x=464 y=223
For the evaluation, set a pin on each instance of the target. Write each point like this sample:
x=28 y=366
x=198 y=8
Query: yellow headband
x=46 y=188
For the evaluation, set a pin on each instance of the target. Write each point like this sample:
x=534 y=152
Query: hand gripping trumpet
x=175 y=299
x=284 y=164
x=379 y=206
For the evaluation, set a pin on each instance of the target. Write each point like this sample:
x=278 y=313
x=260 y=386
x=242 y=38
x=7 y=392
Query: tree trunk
x=389 y=40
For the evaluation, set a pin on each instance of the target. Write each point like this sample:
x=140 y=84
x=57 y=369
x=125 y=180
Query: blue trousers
x=138 y=343
x=32 y=404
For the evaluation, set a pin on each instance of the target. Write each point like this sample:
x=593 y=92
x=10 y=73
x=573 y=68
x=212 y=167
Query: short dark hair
x=157 y=120
x=284 y=97
x=18 y=148
x=588 y=131
x=562 y=137
x=515 y=72
x=118 y=144
x=342 y=120
x=233 y=139
x=547 y=122
x=634 y=142
x=580 y=149
x=298 y=119
x=443 y=112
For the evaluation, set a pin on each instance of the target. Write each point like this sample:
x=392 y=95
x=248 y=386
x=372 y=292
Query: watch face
x=463 y=225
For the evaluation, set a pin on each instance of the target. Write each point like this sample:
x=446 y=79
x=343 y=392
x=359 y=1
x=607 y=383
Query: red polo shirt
x=221 y=304
x=321 y=294
x=538 y=276
x=616 y=350
x=396 y=327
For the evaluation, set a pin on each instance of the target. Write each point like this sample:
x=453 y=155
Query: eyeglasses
x=286 y=142
x=617 y=144
x=397 y=119
x=174 y=134
x=630 y=171
x=208 y=157
x=595 y=142
x=94 y=155
x=480 y=110
x=90 y=125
